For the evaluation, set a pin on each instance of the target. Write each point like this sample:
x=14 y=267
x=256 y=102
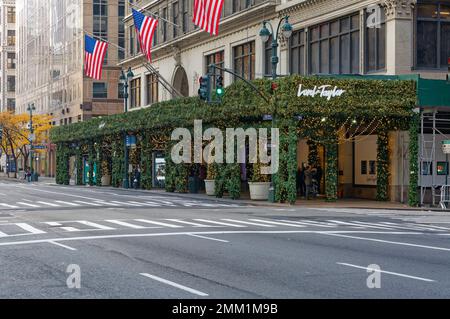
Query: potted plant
x=210 y=181
x=106 y=176
x=259 y=184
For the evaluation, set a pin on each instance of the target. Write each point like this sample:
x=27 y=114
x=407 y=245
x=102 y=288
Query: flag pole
x=104 y=40
x=155 y=15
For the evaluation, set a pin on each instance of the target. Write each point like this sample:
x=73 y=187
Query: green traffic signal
x=220 y=91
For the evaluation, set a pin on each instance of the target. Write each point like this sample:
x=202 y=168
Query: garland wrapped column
x=79 y=166
x=146 y=162
x=91 y=160
x=331 y=174
x=62 y=164
x=171 y=170
x=313 y=155
x=117 y=161
x=383 y=172
x=98 y=160
x=413 y=196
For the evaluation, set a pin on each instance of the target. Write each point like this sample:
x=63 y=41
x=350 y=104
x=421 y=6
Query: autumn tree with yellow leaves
x=15 y=134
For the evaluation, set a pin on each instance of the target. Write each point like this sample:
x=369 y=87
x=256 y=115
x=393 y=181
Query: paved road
x=131 y=244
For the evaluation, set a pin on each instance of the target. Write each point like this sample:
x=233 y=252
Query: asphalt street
x=136 y=244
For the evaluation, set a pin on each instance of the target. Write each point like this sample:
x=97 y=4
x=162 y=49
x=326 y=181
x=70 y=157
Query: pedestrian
x=301 y=180
x=308 y=182
x=137 y=177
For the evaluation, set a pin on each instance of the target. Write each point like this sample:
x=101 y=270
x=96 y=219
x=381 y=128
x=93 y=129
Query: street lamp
x=124 y=79
x=30 y=109
x=265 y=33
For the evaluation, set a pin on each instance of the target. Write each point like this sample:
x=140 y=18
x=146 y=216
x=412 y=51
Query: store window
x=11 y=15
x=152 y=88
x=11 y=60
x=375 y=57
x=11 y=37
x=334 y=47
x=433 y=34
x=135 y=93
x=244 y=60
x=297 y=45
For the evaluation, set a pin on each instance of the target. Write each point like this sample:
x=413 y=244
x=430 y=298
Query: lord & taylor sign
x=325 y=91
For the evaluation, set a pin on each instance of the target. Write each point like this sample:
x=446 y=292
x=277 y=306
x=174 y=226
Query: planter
x=106 y=180
x=259 y=191
x=210 y=187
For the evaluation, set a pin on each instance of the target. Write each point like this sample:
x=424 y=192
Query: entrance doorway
x=180 y=81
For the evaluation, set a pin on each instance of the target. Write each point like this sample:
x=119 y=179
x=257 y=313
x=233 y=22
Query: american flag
x=207 y=15
x=145 y=27
x=94 y=55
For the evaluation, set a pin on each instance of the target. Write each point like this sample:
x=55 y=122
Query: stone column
x=399 y=36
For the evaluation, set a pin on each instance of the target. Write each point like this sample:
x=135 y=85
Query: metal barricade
x=445 y=197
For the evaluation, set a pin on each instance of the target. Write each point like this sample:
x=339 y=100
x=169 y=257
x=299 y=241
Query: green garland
x=413 y=196
x=62 y=164
x=79 y=166
x=181 y=178
x=91 y=161
x=98 y=161
x=146 y=163
x=117 y=162
x=171 y=170
x=331 y=174
x=383 y=173
x=313 y=155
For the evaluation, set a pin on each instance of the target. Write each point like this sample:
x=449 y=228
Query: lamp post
x=124 y=79
x=30 y=109
x=265 y=33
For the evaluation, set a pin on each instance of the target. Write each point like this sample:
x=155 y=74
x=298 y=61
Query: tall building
x=8 y=55
x=50 y=52
x=50 y=68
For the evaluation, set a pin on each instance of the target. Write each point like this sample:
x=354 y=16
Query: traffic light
x=220 y=91
x=205 y=88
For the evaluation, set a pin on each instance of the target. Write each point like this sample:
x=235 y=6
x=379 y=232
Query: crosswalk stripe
x=219 y=223
x=158 y=223
x=145 y=204
x=405 y=226
x=277 y=223
x=66 y=203
x=126 y=203
x=308 y=224
x=318 y=223
x=345 y=223
x=164 y=202
x=87 y=203
x=431 y=226
x=95 y=225
x=189 y=223
x=2 y=234
x=69 y=229
x=246 y=223
x=9 y=206
x=30 y=228
x=417 y=226
x=152 y=204
x=48 y=204
x=371 y=225
x=105 y=203
x=125 y=224
x=27 y=204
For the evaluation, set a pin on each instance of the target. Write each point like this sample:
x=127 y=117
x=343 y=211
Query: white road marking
x=189 y=223
x=371 y=225
x=173 y=284
x=2 y=234
x=247 y=223
x=308 y=224
x=66 y=203
x=69 y=229
x=219 y=223
x=27 y=204
x=105 y=203
x=406 y=226
x=352 y=225
x=125 y=203
x=158 y=223
x=388 y=242
x=207 y=233
x=61 y=245
x=48 y=204
x=152 y=204
x=209 y=238
x=95 y=225
x=276 y=223
x=387 y=272
x=30 y=228
x=144 y=204
x=8 y=206
x=125 y=224
x=87 y=203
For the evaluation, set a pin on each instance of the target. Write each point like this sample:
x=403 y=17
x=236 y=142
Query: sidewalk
x=245 y=200
x=43 y=180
